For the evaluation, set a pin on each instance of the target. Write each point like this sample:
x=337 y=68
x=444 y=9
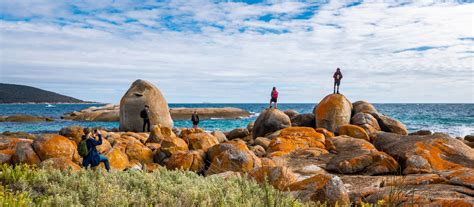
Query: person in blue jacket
x=93 y=158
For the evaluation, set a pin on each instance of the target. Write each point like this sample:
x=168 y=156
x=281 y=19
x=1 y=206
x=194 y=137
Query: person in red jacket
x=274 y=97
x=337 y=80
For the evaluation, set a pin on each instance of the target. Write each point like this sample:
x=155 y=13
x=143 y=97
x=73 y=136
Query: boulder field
x=347 y=154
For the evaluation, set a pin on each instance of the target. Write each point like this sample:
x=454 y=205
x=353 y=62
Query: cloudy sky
x=235 y=51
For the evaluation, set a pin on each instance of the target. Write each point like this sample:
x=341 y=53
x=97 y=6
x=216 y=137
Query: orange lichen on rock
x=325 y=132
x=267 y=162
x=231 y=156
x=55 y=146
x=322 y=188
x=138 y=151
x=426 y=153
x=278 y=177
x=359 y=156
x=316 y=182
x=61 y=163
x=185 y=132
x=416 y=179
x=353 y=131
x=462 y=176
x=433 y=153
x=201 y=141
x=333 y=111
x=117 y=158
x=295 y=138
x=190 y=160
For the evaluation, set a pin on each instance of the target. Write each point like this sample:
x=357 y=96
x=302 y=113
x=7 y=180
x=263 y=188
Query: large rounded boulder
x=139 y=94
x=137 y=151
x=117 y=158
x=72 y=132
x=24 y=153
x=333 y=111
x=363 y=106
x=55 y=146
x=304 y=120
x=368 y=122
x=389 y=124
x=426 y=154
x=231 y=156
x=270 y=120
x=279 y=177
x=353 y=131
x=201 y=141
x=295 y=138
x=358 y=156
x=193 y=160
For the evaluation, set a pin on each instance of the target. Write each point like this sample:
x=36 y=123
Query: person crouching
x=91 y=156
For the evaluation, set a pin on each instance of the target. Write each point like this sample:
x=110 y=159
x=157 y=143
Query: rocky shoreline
x=343 y=153
x=110 y=112
x=25 y=118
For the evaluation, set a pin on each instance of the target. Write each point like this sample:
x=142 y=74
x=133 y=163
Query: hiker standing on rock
x=337 y=80
x=195 y=120
x=145 y=115
x=87 y=150
x=274 y=97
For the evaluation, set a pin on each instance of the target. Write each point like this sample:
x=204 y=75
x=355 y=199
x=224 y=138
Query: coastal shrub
x=22 y=186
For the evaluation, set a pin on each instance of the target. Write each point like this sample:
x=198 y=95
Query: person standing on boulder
x=274 y=97
x=145 y=115
x=337 y=80
x=195 y=120
x=93 y=158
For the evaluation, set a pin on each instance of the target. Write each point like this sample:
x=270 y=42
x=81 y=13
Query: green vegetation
x=26 y=186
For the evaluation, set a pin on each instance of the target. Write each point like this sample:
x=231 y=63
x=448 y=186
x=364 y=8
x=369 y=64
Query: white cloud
x=223 y=52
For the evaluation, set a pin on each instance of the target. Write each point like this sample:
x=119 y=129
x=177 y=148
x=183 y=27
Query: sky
x=236 y=51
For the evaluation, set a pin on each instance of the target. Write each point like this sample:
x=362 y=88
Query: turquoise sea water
x=455 y=119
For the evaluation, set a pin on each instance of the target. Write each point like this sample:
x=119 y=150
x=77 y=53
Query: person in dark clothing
x=145 y=115
x=195 y=119
x=274 y=97
x=93 y=158
x=337 y=80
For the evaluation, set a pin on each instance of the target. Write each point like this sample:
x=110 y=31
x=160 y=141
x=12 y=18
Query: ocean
x=454 y=119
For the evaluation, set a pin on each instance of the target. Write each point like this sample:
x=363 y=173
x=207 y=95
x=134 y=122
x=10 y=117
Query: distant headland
x=13 y=93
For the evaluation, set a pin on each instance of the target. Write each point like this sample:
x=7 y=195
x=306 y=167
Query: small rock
x=250 y=126
x=238 y=133
x=304 y=120
x=469 y=138
x=219 y=135
x=291 y=113
x=262 y=141
x=258 y=150
x=422 y=132
x=321 y=188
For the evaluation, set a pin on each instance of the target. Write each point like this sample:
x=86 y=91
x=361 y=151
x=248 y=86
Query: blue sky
x=235 y=51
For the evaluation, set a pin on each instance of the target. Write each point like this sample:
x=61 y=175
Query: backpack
x=82 y=148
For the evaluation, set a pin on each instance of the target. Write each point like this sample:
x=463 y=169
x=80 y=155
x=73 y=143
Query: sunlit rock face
x=139 y=94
